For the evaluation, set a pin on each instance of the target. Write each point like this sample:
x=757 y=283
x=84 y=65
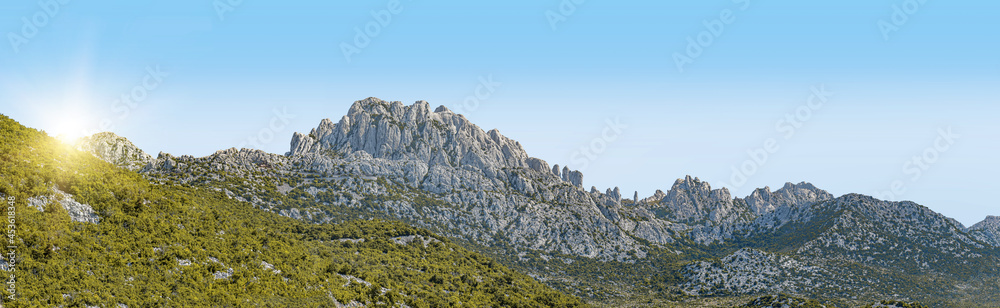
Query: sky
x=895 y=99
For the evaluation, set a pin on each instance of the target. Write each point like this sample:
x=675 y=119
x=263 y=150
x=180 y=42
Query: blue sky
x=222 y=77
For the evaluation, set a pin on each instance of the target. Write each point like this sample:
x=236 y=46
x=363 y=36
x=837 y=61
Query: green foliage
x=782 y=300
x=897 y=304
x=174 y=245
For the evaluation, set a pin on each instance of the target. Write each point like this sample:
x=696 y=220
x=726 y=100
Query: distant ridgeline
x=480 y=190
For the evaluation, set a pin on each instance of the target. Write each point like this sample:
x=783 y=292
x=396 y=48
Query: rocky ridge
x=440 y=171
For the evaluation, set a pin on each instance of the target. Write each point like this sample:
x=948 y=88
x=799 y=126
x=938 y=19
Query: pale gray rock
x=537 y=164
x=223 y=275
x=655 y=230
x=389 y=130
x=302 y=143
x=115 y=150
x=269 y=267
x=407 y=239
x=576 y=178
x=77 y=211
x=762 y=200
x=655 y=198
x=692 y=201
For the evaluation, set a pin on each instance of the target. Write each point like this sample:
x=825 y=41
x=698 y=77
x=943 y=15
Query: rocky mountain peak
x=691 y=200
x=989 y=221
x=690 y=183
x=655 y=198
x=987 y=230
x=114 y=149
x=762 y=200
x=392 y=131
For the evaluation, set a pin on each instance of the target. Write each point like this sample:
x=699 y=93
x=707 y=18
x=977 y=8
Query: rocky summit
x=114 y=149
x=437 y=170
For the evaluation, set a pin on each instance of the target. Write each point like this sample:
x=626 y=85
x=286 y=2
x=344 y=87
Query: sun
x=70 y=123
x=67 y=131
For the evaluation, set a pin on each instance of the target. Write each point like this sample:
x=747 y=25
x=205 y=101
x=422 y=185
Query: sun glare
x=70 y=123
x=68 y=130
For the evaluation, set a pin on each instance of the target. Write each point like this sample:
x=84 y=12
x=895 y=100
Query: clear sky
x=702 y=88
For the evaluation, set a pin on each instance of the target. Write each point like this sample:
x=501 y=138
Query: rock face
x=77 y=211
x=390 y=130
x=709 y=215
x=575 y=177
x=614 y=194
x=763 y=201
x=690 y=201
x=537 y=164
x=114 y=149
x=655 y=198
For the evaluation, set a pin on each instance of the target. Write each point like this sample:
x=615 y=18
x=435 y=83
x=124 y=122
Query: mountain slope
x=438 y=171
x=177 y=245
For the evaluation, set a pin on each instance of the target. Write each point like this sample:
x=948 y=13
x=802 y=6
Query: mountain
x=85 y=233
x=437 y=170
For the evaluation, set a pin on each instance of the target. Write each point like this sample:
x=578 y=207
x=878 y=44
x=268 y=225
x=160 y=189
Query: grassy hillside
x=176 y=245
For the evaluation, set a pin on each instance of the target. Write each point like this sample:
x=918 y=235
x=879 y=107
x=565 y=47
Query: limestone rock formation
x=77 y=211
x=114 y=149
x=691 y=200
x=762 y=200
